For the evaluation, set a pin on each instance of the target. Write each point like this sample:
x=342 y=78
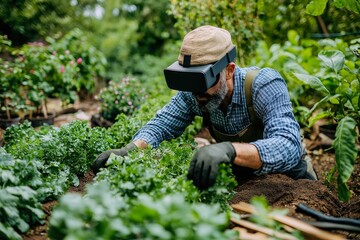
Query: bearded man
x=247 y=111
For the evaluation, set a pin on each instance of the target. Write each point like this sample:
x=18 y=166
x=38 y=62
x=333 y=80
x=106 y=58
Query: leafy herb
x=103 y=214
x=19 y=209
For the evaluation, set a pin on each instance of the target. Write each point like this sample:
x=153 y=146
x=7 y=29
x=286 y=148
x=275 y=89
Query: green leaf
x=334 y=59
x=345 y=153
x=158 y=231
x=317 y=117
x=25 y=192
x=352 y=5
x=7 y=176
x=22 y=225
x=9 y=232
x=293 y=37
x=334 y=99
x=316 y=7
x=38 y=213
x=316 y=106
x=312 y=81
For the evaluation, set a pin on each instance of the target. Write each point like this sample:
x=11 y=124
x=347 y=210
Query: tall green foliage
x=317 y=7
x=91 y=63
x=31 y=20
x=285 y=15
x=339 y=82
x=155 y=26
x=323 y=76
x=131 y=31
x=240 y=18
x=345 y=152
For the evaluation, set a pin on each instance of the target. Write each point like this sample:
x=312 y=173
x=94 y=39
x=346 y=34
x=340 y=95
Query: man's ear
x=230 y=69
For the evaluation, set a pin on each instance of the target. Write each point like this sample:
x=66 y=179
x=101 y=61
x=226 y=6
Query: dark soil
x=279 y=190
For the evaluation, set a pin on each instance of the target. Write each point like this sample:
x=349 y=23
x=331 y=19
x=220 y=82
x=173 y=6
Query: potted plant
x=119 y=97
x=8 y=116
x=49 y=74
x=338 y=81
x=90 y=62
x=12 y=104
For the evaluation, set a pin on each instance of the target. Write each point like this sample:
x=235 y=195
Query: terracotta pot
x=5 y=122
x=38 y=120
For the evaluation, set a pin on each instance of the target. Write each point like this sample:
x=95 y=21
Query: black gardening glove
x=204 y=165
x=101 y=160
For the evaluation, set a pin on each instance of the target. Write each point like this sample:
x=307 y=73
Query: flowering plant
x=124 y=97
x=46 y=74
x=38 y=71
x=90 y=62
x=11 y=103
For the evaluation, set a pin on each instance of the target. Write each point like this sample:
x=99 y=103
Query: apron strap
x=249 y=78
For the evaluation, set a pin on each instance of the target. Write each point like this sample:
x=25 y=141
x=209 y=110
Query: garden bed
x=279 y=190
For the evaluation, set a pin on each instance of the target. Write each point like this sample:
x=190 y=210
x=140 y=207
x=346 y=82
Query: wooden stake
x=261 y=229
x=292 y=222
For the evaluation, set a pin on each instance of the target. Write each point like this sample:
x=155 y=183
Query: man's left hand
x=204 y=165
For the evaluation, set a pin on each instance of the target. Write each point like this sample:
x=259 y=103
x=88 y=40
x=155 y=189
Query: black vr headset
x=196 y=79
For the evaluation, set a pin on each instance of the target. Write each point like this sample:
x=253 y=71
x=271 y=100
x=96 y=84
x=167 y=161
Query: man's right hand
x=101 y=160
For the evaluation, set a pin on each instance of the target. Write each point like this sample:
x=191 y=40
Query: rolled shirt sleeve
x=280 y=150
x=169 y=122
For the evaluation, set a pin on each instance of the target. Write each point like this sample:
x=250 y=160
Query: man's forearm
x=247 y=155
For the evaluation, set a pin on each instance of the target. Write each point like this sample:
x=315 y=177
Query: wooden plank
x=293 y=222
x=244 y=234
x=261 y=229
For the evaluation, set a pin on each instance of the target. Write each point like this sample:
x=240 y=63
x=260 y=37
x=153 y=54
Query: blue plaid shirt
x=280 y=149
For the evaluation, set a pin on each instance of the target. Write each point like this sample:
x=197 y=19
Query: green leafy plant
x=316 y=7
x=51 y=74
x=5 y=44
x=31 y=76
x=37 y=71
x=339 y=83
x=124 y=97
x=23 y=159
x=244 y=31
x=104 y=214
x=299 y=56
x=262 y=212
x=19 y=201
x=12 y=99
x=163 y=170
x=68 y=145
x=90 y=62
x=19 y=209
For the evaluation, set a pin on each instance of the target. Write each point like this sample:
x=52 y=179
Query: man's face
x=212 y=98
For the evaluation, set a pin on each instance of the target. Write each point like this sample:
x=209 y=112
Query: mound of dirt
x=283 y=192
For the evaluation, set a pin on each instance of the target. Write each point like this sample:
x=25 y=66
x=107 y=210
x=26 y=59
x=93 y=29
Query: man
x=256 y=128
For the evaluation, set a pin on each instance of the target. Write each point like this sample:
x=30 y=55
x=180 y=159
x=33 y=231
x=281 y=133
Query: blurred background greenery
x=141 y=37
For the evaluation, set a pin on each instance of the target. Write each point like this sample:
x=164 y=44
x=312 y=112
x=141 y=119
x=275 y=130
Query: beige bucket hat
x=204 y=45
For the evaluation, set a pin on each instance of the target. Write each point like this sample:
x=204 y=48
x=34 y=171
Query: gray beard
x=218 y=97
